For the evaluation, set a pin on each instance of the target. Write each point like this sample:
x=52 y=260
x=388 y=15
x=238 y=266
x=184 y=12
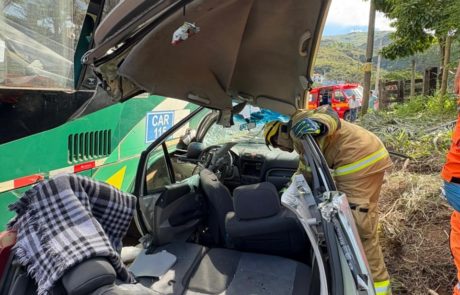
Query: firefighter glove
x=305 y=127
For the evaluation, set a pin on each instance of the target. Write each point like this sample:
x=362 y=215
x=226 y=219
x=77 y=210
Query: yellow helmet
x=270 y=132
x=276 y=134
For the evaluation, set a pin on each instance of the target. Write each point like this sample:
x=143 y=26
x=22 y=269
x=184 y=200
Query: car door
x=349 y=268
x=170 y=203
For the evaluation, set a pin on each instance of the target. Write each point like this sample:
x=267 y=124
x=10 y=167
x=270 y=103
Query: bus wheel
x=347 y=116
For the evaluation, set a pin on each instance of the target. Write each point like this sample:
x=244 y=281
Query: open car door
x=170 y=203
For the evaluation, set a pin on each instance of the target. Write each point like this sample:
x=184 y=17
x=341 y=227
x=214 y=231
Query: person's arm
x=326 y=119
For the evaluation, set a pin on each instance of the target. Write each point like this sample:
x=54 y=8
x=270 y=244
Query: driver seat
x=220 y=203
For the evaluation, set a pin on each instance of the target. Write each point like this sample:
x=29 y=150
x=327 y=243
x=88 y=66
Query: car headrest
x=256 y=201
x=88 y=276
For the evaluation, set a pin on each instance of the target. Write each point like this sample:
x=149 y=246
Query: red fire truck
x=336 y=96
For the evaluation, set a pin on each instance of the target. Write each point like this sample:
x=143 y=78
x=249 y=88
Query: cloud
x=354 y=13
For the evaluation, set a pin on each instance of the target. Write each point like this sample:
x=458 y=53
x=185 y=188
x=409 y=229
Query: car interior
x=222 y=220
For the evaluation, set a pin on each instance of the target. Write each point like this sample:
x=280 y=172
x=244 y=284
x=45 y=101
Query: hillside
x=341 y=57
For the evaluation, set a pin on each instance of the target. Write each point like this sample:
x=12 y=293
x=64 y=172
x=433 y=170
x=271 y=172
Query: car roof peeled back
x=258 y=50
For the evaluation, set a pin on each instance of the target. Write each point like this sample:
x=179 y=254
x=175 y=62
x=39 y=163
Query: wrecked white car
x=217 y=211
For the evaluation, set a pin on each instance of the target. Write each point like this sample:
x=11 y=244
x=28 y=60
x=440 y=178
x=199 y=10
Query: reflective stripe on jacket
x=361 y=164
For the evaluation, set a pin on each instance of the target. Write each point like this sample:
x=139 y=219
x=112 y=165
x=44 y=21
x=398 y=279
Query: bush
x=428 y=105
x=420 y=128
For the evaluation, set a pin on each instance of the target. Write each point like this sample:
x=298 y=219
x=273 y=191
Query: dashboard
x=257 y=163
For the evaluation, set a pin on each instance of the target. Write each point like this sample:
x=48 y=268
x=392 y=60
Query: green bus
x=105 y=145
x=39 y=136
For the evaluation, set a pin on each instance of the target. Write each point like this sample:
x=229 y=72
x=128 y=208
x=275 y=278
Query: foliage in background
x=418 y=24
x=429 y=107
x=420 y=129
x=400 y=75
x=341 y=57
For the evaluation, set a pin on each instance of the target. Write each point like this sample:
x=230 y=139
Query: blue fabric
x=353 y=114
x=304 y=127
x=452 y=192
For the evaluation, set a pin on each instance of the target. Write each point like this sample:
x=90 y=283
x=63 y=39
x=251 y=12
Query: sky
x=346 y=16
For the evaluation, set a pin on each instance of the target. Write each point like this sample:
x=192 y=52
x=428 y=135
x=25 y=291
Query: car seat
x=259 y=223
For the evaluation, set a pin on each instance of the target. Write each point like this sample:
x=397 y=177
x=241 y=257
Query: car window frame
x=139 y=180
x=169 y=164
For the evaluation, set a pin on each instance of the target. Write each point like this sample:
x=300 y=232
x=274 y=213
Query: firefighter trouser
x=363 y=195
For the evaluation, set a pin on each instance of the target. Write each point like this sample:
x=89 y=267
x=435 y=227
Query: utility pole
x=369 y=53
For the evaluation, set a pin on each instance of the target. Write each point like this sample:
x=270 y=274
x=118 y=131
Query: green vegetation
x=419 y=24
x=438 y=107
x=339 y=61
x=420 y=129
x=341 y=57
x=400 y=75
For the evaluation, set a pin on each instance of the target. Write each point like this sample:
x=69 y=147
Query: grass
x=414 y=231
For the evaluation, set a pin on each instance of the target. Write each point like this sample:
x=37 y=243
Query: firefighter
x=451 y=175
x=359 y=160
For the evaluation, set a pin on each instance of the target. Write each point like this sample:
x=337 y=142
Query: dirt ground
x=414 y=231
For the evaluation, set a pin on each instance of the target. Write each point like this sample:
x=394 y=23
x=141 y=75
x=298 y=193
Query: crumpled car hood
x=260 y=51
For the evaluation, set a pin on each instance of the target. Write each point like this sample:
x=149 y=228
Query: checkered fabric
x=66 y=220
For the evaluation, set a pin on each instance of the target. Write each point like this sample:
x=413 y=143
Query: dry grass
x=415 y=220
x=414 y=229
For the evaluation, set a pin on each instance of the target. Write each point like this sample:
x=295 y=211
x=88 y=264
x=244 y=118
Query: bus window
x=38 y=40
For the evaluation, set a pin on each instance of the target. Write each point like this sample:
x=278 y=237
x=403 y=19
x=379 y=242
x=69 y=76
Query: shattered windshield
x=248 y=127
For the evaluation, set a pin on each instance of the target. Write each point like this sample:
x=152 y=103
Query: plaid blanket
x=66 y=220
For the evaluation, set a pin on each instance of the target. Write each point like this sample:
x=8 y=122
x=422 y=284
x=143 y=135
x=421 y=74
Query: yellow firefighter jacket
x=351 y=151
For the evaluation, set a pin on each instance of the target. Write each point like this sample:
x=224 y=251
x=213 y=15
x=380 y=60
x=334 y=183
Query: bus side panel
x=128 y=124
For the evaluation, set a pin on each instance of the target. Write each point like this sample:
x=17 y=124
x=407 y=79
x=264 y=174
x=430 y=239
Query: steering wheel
x=218 y=159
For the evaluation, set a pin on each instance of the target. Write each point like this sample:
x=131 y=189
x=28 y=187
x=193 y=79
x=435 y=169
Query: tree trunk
x=368 y=64
x=412 y=79
x=442 y=50
x=445 y=65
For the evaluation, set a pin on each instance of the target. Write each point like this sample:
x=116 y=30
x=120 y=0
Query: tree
x=419 y=24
